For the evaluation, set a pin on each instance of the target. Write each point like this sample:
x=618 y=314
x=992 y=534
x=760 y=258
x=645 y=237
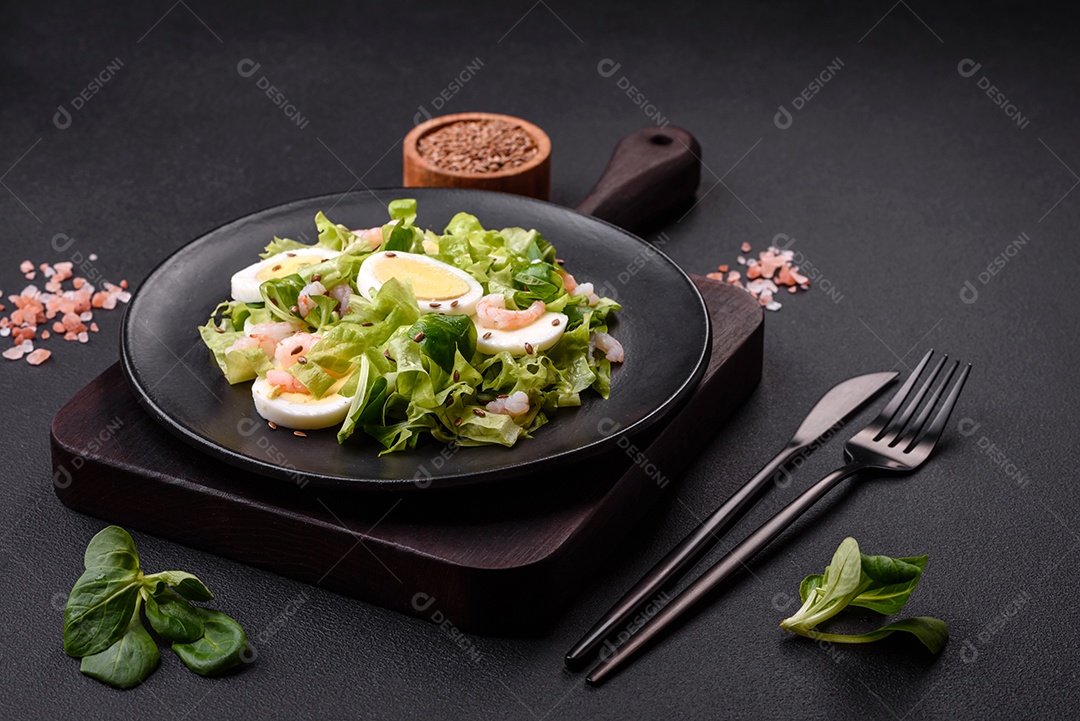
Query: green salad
x=475 y=336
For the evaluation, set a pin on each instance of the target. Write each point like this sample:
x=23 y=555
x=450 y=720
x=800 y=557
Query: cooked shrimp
x=611 y=348
x=492 y=313
x=342 y=293
x=292 y=348
x=275 y=331
x=304 y=302
x=586 y=289
x=268 y=335
x=514 y=405
x=245 y=343
x=568 y=282
x=371 y=236
x=286 y=381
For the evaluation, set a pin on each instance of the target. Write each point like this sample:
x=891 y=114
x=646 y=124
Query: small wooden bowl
x=532 y=178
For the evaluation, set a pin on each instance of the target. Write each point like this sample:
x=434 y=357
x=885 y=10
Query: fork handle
x=722 y=570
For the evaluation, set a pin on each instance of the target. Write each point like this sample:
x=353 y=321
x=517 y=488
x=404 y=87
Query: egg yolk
x=286 y=266
x=429 y=281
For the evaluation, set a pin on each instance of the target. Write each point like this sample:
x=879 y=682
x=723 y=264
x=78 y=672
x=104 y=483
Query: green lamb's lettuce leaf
x=367 y=399
x=103 y=624
x=186 y=584
x=112 y=548
x=280 y=296
x=99 y=609
x=219 y=649
x=879 y=583
x=931 y=632
x=537 y=281
x=441 y=336
x=172 y=617
x=126 y=662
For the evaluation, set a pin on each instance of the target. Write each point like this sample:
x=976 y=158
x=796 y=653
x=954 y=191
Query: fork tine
x=896 y=425
x=916 y=426
x=889 y=410
x=933 y=433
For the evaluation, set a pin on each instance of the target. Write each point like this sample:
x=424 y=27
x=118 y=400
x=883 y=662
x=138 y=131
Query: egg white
x=245 y=283
x=298 y=410
x=463 y=304
x=541 y=334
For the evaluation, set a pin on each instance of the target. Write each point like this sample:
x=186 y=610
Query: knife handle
x=653 y=174
x=675 y=564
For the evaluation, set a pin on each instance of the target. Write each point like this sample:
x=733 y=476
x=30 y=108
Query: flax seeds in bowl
x=485 y=145
x=485 y=151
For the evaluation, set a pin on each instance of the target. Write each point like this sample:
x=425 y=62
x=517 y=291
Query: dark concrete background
x=899 y=180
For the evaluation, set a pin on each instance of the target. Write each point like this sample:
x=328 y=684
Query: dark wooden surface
x=651 y=178
x=497 y=559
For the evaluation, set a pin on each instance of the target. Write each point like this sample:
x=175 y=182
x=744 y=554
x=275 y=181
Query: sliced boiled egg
x=438 y=286
x=300 y=411
x=246 y=282
x=539 y=335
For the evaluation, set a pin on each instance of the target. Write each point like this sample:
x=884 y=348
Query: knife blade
x=828 y=414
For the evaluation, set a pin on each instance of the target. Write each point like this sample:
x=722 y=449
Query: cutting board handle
x=652 y=175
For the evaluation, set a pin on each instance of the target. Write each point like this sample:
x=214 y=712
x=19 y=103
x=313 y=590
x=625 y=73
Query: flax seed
x=478 y=146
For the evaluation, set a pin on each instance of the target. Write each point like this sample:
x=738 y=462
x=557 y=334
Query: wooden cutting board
x=496 y=559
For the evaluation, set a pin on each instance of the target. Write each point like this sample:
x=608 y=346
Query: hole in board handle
x=659 y=139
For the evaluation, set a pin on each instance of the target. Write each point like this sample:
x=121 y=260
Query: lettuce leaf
x=332 y=235
x=238 y=365
x=281 y=245
x=338 y=351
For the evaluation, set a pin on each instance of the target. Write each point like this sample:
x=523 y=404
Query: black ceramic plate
x=663 y=326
